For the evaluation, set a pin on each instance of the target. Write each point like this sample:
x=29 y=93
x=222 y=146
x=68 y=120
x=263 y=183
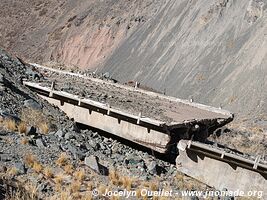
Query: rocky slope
x=65 y=162
x=44 y=155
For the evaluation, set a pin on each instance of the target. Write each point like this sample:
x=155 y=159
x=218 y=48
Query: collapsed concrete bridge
x=157 y=122
x=151 y=119
x=151 y=133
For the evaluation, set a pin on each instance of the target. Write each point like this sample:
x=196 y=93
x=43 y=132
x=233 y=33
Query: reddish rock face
x=89 y=49
x=82 y=34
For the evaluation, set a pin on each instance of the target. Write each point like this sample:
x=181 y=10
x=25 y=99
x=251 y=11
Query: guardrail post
x=108 y=112
x=139 y=118
x=52 y=88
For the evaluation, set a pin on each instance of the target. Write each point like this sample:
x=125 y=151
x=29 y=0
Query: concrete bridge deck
x=158 y=132
x=135 y=101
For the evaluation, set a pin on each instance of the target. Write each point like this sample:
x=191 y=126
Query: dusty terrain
x=82 y=33
x=211 y=51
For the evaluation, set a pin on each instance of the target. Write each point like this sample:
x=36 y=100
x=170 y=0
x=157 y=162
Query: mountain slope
x=80 y=33
x=212 y=51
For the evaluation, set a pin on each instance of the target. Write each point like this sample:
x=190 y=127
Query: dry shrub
x=153 y=186
x=146 y=184
x=68 y=169
x=115 y=198
x=180 y=180
x=179 y=177
x=37 y=167
x=22 y=128
x=76 y=195
x=166 y=198
x=10 y=124
x=79 y=175
x=101 y=189
x=90 y=186
x=12 y=171
x=35 y=118
x=44 y=128
x=126 y=182
x=87 y=196
x=24 y=141
x=75 y=186
x=29 y=160
x=138 y=193
x=64 y=195
x=114 y=177
x=58 y=187
x=25 y=191
x=62 y=160
x=145 y=197
x=32 y=190
x=48 y=172
x=59 y=179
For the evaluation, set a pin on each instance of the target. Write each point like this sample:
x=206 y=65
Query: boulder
x=30 y=103
x=40 y=143
x=21 y=169
x=76 y=152
x=93 y=162
x=60 y=133
x=31 y=130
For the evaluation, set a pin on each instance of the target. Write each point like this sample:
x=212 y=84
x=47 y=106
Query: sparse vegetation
x=59 y=179
x=68 y=169
x=29 y=160
x=114 y=177
x=12 y=171
x=48 y=172
x=10 y=124
x=153 y=186
x=37 y=167
x=44 y=128
x=18 y=191
x=101 y=189
x=62 y=160
x=127 y=182
x=24 y=141
x=35 y=118
x=79 y=175
x=22 y=128
x=75 y=186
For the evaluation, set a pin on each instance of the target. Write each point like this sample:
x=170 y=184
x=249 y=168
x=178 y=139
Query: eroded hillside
x=81 y=33
x=211 y=51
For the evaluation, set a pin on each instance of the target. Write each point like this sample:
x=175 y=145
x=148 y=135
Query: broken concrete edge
x=167 y=126
x=154 y=94
x=220 y=175
x=222 y=155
